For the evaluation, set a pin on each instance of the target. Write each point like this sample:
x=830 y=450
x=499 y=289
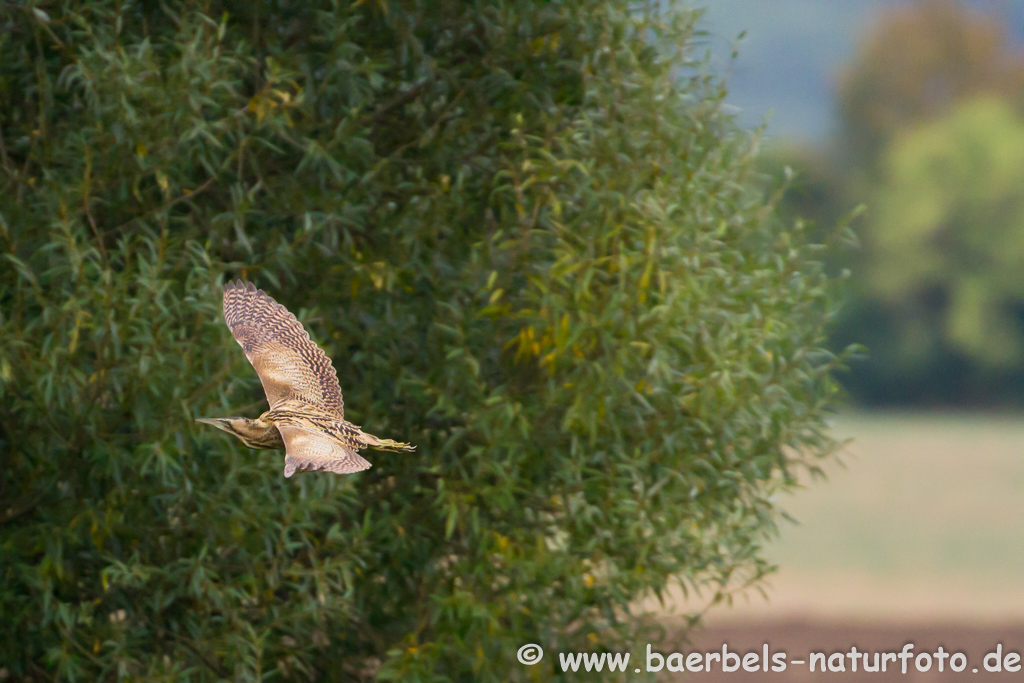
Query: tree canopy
x=928 y=144
x=534 y=246
x=917 y=63
x=947 y=230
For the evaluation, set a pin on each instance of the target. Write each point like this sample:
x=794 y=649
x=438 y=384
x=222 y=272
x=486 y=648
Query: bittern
x=307 y=414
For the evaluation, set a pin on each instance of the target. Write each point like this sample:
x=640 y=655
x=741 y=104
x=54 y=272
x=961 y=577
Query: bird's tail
x=389 y=445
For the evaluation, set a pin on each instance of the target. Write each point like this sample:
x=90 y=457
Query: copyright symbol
x=530 y=654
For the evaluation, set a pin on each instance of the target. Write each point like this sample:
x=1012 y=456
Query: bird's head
x=251 y=432
x=232 y=425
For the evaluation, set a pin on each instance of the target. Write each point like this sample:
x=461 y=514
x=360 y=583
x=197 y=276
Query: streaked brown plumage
x=307 y=413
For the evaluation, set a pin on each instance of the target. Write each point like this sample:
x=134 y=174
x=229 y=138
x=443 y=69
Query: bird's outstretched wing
x=308 y=450
x=289 y=364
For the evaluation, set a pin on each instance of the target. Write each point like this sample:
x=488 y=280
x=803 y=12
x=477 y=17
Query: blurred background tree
x=929 y=139
x=916 y=64
x=535 y=247
x=947 y=234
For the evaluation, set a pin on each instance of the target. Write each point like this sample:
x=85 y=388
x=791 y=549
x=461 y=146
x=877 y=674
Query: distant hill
x=794 y=50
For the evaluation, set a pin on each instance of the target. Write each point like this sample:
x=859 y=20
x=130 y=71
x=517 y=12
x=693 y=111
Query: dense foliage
x=528 y=237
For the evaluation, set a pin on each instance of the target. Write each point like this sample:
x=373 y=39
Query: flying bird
x=307 y=414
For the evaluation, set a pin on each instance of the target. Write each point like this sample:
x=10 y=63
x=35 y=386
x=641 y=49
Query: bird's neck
x=260 y=433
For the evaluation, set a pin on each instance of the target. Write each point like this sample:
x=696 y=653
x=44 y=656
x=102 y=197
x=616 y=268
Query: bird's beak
x=218 y=422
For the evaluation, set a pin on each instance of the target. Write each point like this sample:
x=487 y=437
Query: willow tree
x=532 y=243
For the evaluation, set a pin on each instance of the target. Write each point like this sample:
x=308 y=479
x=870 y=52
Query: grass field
x=923 y=517
x=918 y=536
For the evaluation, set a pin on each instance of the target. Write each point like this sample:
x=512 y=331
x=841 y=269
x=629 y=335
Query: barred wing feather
x=308 y=450
x=289 y=363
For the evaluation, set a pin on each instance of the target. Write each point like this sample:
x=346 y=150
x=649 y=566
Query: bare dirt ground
x=799 y=638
